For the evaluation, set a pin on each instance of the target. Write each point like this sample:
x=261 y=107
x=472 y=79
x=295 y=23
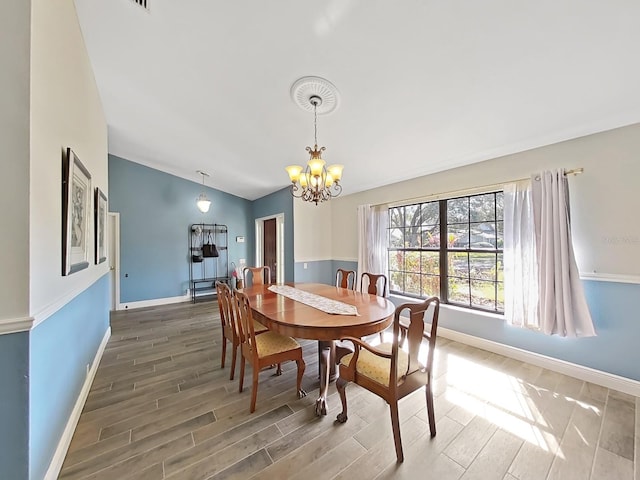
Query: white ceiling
x=425 y=85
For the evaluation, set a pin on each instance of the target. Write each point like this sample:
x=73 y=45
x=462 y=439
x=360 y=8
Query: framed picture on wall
x=76 y=214
x=100 y=225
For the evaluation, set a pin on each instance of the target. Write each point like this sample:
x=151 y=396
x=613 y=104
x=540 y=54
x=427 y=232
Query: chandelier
x=203 y=202
x=315 y=182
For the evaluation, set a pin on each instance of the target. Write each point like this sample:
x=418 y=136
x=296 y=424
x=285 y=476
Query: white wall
x=313 y=231
x=14 y=159
x=65 y=112
x=604 y=199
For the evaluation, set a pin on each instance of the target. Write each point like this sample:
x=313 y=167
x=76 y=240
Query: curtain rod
x=573 y=171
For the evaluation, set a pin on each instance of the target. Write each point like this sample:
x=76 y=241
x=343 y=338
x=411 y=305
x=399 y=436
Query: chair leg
x=241 y=382
x=279 y=370
x=233 y=361
x=395 y=425
x=224 y=351
x=301 y=367
x=341 y=385
x=430 y=411
x=254 y=389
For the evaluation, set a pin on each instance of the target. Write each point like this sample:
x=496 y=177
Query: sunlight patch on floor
x=503 y=399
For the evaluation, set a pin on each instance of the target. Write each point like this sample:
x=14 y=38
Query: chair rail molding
x=610 y=277
x=16 y=325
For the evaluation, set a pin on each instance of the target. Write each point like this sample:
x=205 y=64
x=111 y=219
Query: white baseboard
x=155 y=302
x=65 y=440
x=608 y=380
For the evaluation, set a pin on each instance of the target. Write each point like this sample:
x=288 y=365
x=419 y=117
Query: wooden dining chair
x=229 y=325
x=374 y=282
x=263 y=350
x=391 y=372
x=257 y=275
x=346 y=279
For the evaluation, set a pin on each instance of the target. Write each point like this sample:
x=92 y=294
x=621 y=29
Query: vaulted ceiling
x=425 y=85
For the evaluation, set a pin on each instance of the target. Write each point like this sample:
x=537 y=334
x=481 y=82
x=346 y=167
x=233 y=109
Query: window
x=450 y=248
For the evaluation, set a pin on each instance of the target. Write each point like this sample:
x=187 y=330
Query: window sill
x=446 y=306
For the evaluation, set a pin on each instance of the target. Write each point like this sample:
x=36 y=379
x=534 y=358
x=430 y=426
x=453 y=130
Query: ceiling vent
x=143 y=3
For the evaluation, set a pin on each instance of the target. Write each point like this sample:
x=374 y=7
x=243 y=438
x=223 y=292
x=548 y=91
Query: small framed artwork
x=76 y=214
x=100 y=225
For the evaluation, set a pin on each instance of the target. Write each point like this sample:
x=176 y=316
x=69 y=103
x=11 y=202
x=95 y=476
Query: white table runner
x=325 y=304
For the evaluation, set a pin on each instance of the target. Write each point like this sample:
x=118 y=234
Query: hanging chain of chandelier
x=315 y=183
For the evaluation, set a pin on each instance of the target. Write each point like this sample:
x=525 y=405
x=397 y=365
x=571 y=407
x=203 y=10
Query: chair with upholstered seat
x=391 y=372
x=257 y=275
x=229 y=325
x=263 y=350
x=346 y=279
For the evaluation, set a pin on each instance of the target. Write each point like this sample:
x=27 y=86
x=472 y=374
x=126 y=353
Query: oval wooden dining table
x=295 y=319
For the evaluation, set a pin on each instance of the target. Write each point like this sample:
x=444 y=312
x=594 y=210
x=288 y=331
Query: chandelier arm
x=294 y=188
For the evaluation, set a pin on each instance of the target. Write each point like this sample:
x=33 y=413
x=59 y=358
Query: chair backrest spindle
x=257 y=275
x=374 y=283
x=346 y=279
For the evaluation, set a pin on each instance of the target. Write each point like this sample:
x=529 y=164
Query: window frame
x=444 y=250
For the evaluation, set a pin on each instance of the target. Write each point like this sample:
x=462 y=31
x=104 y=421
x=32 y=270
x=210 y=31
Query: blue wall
x=273 y=204
x=322 y=271
x=156 y=210
x=61 y=347
x=14 y=405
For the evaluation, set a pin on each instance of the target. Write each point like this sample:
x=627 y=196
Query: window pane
x=412 y=284
x=431 y=263
x=483 y=294
x=430 y=213
x=412 y=262
x=430 y=286
x=500 y=302
x=396 y=260
x=412 y=215
x=458 y=210
x=412 y=237
x=431 y=236
x=482 y=235
x=458 y=236
x=500 y=235
x=458 y=264
x=482 y=208
x=483 y=266
x=500 y=268
x=459 y=291
x=396 y=217
x=396 y=238
x=396 y=281
x=499 y=205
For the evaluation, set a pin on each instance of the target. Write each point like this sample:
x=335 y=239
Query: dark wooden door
x=269 y=253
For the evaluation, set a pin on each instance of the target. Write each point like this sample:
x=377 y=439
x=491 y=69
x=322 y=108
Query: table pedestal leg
x=326 y=350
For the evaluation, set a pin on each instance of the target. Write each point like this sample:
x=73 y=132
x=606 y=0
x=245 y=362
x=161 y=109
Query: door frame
x=114 y=258
x=279 y=243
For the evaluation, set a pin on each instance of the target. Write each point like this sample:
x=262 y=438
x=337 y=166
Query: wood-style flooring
x=161 y=407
